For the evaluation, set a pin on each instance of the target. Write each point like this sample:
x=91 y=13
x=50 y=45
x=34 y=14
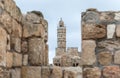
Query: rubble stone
x=92 y=73
x=73 y=72
x=105 y=58
x=111 y=72
x=93 y=31
x=117 y=57
x=118 y=30
x=111 y=30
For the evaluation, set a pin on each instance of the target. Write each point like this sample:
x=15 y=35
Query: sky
x=70 y=12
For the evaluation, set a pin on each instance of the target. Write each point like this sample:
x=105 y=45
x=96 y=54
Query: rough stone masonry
x=100 y=44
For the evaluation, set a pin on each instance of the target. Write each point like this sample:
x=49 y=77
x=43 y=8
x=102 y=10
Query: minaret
x=61 y=39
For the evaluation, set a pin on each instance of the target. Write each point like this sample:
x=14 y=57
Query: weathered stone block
x=111 y=72
x=88 y=52
x=73 y=72
x=36 y=50
x=111 y=30
x=16 y=73
x=6 y=20
x=17 y=59
x=34 y=17
x=118 y=30
x=56 y=72
x=106 y=16
x=105 y=58
x=24 y=47
x=46 y=57
x=31 y=72
x=16 y=44
x=117 y=57
x=117 y=16
x=93 y=31
x=92 y=73
x=91 y=17
x=12 y=9
x=16 y=29
x=3 y=46
x=9 y=59
x=30 y=29
x=110 y=45
x=25 y=59
x=45 y=72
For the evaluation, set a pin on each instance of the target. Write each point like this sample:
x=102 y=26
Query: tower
x=61 y=39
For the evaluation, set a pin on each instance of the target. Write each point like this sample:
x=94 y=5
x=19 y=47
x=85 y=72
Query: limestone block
x=9 y=59
x=73 y=72
x=92 y=73
x=17 y=59
x=93 y=31
x=34 y=17
x=111 y=72
x=30 y=29
x=12 y=9
x=106 y=16
x=3 y=46
x=117 y=16
x=56 y=72
x=88 y=52
x=25 y=59
x=46 y=57
x=16 y=29
x=16 y=44
x=111 y=30
x=36 y=50
x=31 y=72
x=110 y=45
x=11 y=25
x=6 y=20
x=24 y=47
x=91 y=17
x=105 y=58
x=118 y=30
x=45 y=72
x=16 y=73
x=117 y=57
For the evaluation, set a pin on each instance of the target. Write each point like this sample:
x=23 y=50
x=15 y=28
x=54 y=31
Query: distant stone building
x=69 y=57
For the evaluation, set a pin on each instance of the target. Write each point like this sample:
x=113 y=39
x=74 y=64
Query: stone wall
x=23 y=42
x=100 y=44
